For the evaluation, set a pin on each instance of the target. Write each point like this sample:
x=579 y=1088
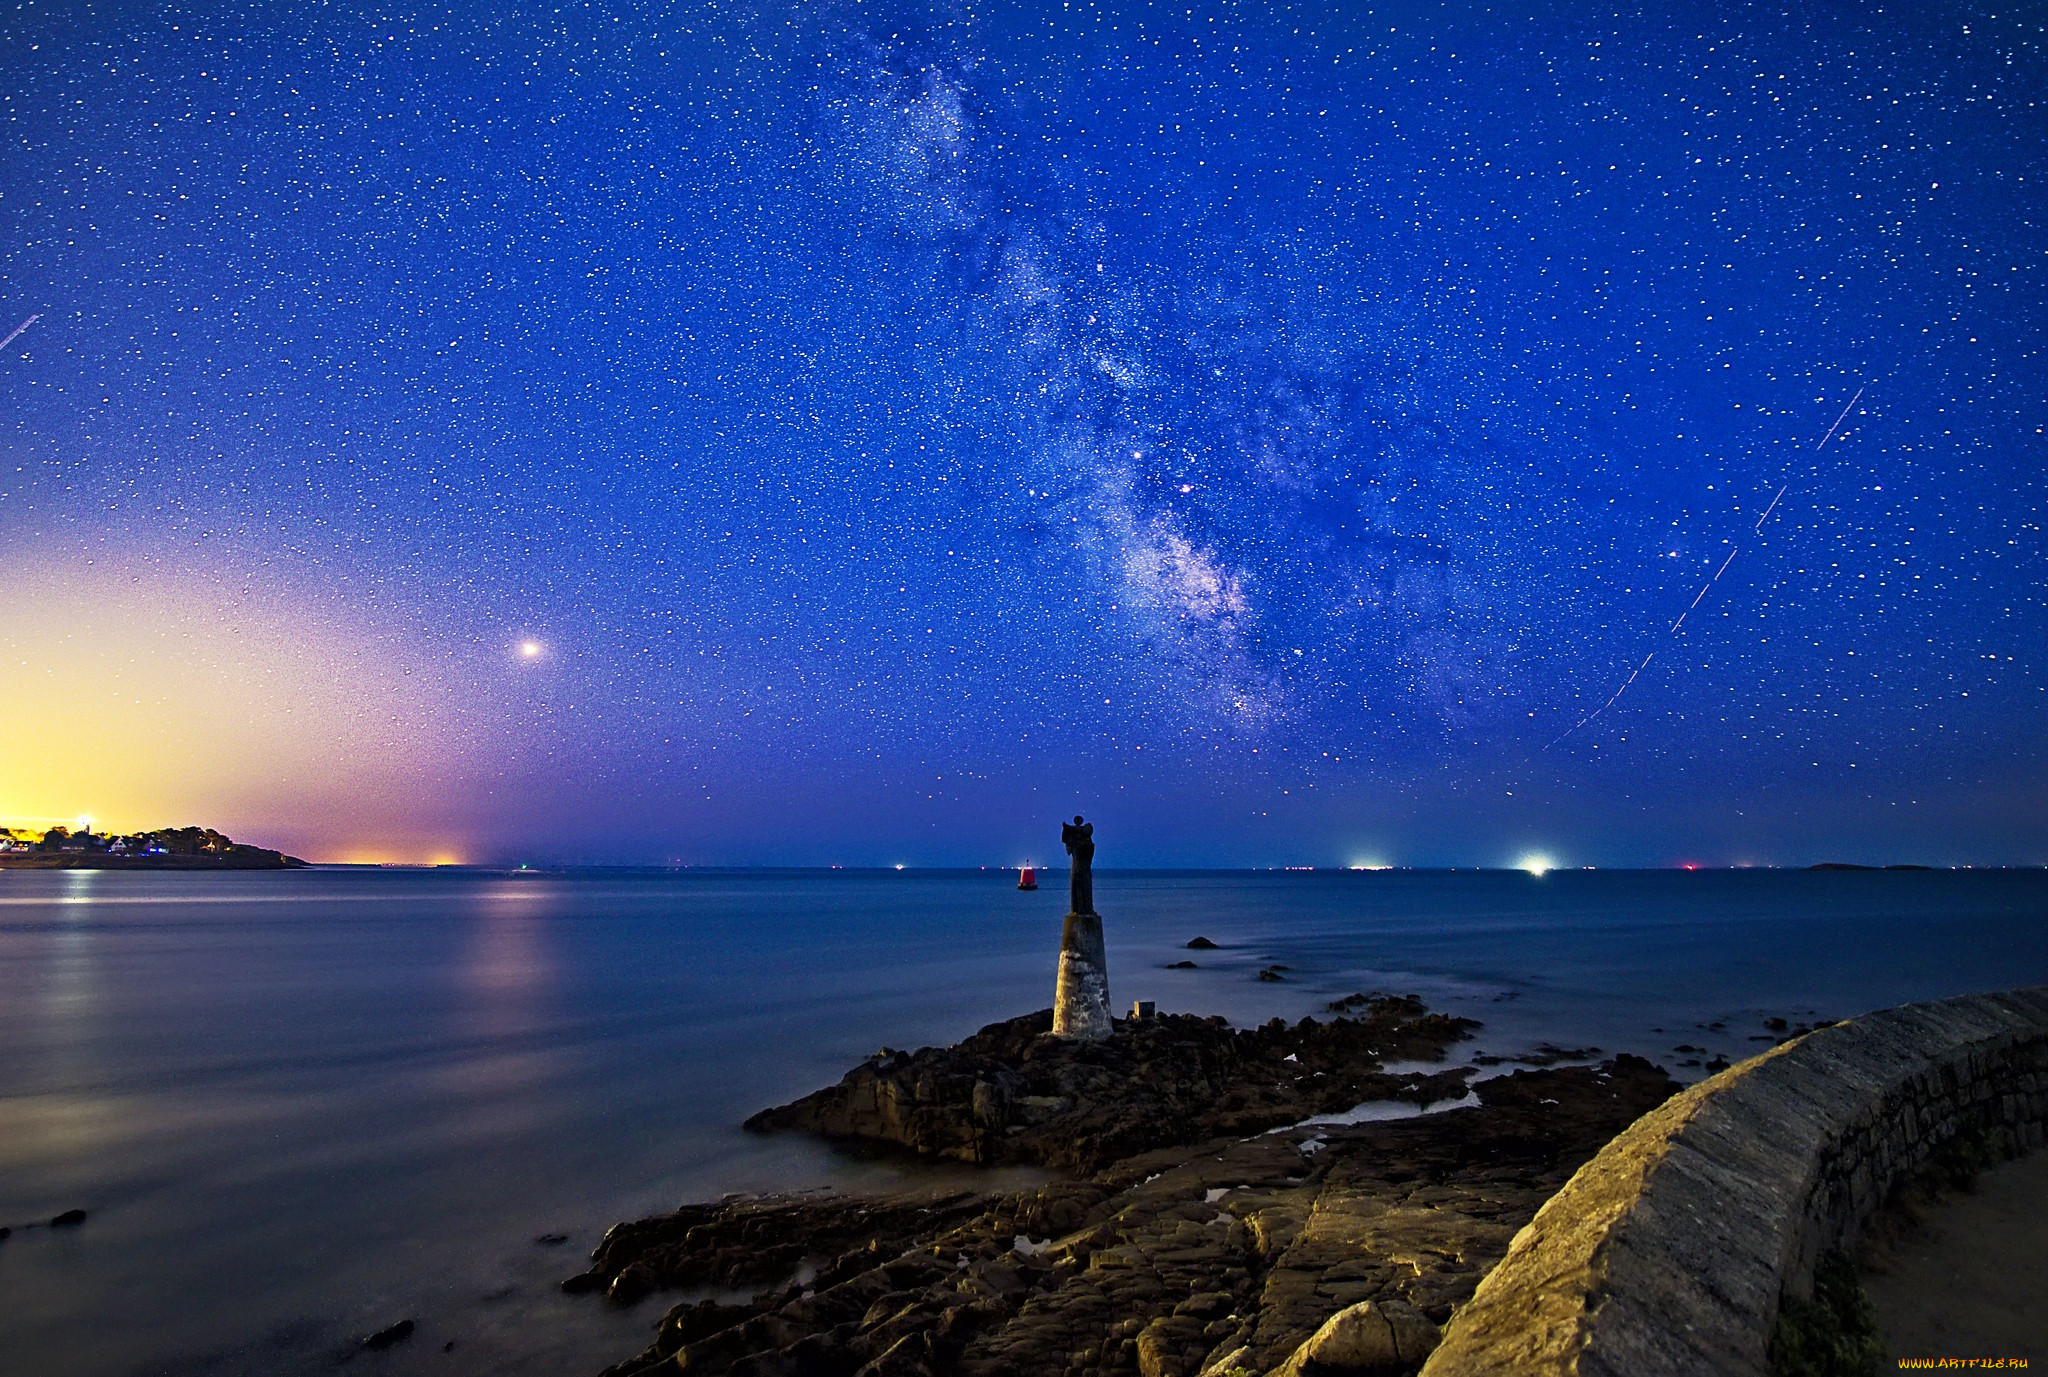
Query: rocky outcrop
x=1014 y=1094
x=1237 y=1254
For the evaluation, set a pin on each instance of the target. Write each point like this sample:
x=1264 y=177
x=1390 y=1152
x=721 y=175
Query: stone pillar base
x=1080 y=1006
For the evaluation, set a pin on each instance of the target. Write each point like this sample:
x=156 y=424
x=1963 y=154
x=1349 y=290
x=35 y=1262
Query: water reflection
x=71 y=987
x=70 y=1121
x=505 y=983
x=58 y=1119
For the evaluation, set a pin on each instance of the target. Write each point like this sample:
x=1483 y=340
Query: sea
x=301 y=1106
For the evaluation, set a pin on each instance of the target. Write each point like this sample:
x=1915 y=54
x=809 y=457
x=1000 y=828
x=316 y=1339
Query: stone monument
x=1080 y=1006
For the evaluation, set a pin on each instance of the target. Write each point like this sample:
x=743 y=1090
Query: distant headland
x=168 y=848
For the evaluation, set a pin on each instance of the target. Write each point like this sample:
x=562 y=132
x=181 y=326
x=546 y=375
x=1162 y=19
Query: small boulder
x=1271 y=975
x=385 y=1338
x=631 y=1285
x=1370 y=1337
x=1162 y=1344
x=552 y=1240
x=1206 y=1304
x=1232 y=1361
x=1201 y=944
x=68 y=1220
x=1181 y=966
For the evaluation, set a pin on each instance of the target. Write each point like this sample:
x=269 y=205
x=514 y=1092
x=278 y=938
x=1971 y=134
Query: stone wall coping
x=1669 y=1251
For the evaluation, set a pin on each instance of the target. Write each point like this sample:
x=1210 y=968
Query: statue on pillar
x=1079 y=839
x=1080 y=1006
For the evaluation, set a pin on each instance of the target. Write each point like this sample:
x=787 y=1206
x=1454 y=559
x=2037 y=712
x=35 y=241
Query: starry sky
x=864 y=433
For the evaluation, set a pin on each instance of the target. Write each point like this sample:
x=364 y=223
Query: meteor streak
x=1707 y=587
x=1837 y=425
x=19 y=328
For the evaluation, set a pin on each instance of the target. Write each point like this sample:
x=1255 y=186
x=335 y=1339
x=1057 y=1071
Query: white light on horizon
x=1539 y=866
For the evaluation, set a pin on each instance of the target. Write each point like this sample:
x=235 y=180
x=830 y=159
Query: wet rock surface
x=1013 y=1095
x=1210 y=1247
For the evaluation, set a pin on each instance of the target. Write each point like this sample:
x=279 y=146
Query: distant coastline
x=273 y=860
x=169 y=848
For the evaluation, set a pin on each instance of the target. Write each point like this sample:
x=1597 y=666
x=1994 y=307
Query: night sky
x=864 y=434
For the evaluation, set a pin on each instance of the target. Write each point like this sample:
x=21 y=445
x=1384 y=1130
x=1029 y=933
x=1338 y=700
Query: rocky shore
x=1010 y=1094
x=1204 y=1227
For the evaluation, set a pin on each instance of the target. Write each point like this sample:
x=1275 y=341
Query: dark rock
x=631 y=1285
x=551 y=1240
x=5 y=1231
x=1718 y=1064
x=1013 y=1094
x=1271 y=975
x=1775 y=1025
x=1550 y=1054
x=70 y=1219
x=1202 y=944
x=585 y=1281
x=385 y=1338
x=1181 y=966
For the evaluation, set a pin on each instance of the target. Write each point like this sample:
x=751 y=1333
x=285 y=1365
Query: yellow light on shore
x=1539 y=866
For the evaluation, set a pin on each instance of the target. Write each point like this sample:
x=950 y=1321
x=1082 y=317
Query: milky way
x=1278 y=431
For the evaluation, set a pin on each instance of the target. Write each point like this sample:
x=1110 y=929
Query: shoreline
x=1201 y=1229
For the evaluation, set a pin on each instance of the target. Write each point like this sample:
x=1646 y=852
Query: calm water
x=301 y=1106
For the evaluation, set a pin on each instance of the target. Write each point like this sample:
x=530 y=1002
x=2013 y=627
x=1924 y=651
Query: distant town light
x=1539 y=866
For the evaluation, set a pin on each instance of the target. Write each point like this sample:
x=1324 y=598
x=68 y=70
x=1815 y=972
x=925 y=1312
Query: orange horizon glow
x=400 y=856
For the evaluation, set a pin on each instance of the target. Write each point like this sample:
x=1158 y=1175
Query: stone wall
x=1669 y=1251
